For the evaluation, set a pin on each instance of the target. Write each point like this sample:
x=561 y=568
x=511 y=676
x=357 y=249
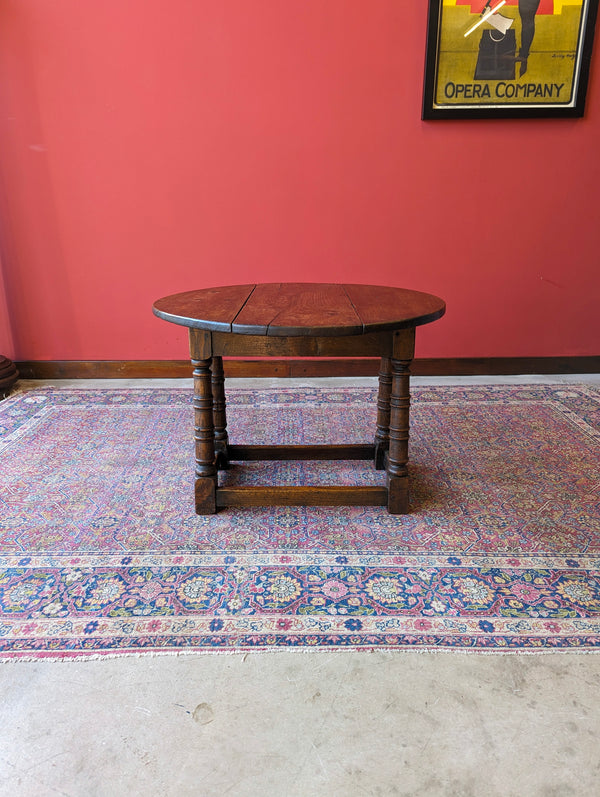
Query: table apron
x=398 y=344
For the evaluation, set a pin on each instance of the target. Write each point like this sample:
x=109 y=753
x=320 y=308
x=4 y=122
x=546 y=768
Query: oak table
x=303 y=320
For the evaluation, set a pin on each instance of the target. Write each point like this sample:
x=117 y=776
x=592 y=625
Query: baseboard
x=360 y=366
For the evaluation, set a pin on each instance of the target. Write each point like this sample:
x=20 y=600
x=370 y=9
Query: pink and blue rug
x=101 y=551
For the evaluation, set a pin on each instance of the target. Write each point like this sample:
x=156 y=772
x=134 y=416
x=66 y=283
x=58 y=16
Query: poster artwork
x=522 y=55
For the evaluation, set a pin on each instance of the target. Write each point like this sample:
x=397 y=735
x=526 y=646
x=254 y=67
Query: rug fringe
x=243 y=654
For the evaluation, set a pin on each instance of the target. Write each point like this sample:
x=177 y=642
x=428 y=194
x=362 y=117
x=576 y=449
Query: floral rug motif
x=101 y=551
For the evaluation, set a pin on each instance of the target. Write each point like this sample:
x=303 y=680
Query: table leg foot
x=222 y=456
x=381 y=450
x=205 y=494
x=398 y=503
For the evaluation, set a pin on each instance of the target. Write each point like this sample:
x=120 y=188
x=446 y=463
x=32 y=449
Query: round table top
x=300 y=309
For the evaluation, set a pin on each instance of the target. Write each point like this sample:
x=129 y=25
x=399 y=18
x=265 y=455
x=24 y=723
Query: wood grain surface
x=300 y=309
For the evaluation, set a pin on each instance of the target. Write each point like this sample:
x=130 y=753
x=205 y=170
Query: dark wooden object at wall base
x=8 y=376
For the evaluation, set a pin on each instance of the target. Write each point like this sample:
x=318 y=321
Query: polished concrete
x=285 y=723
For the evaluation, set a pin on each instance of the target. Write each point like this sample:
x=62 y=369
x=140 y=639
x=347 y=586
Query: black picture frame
x=494 y=74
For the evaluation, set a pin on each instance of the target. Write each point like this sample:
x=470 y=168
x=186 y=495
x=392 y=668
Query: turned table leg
x=382 y=433
x=219 y=412
x=397 y=472
x=204 y=437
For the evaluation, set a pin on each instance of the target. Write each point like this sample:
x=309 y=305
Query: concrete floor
x=298 y=724
x=284 y=723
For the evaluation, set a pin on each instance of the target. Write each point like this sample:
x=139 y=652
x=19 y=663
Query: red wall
x=152 y=146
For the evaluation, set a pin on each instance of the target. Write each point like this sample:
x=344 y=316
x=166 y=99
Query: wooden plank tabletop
x=300 y=309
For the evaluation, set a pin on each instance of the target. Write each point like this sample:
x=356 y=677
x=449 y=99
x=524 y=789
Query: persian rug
x=101 y=551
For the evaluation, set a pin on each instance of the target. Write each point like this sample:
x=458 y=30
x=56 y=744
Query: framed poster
x=507 y=58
